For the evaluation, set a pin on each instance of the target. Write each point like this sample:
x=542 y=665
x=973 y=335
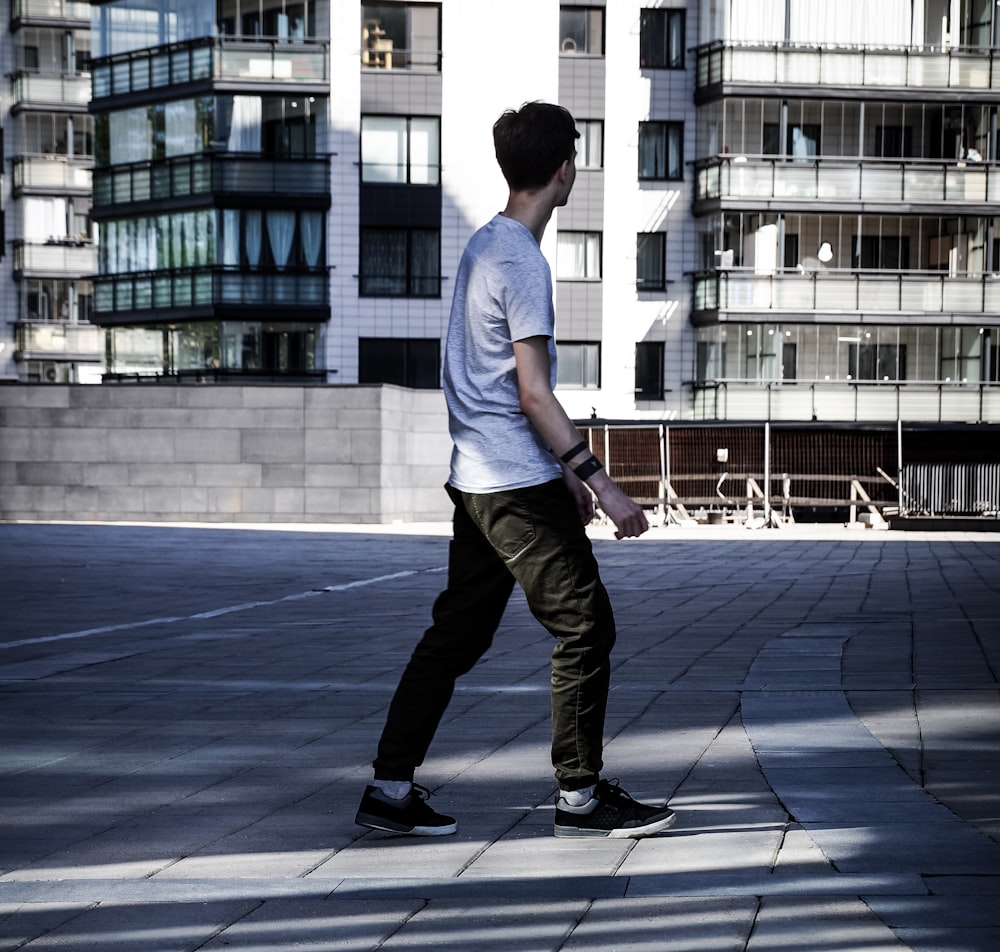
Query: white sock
x=394 y=789
x=577 y=798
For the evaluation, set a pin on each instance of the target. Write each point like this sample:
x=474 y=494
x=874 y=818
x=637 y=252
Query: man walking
x=521 y=481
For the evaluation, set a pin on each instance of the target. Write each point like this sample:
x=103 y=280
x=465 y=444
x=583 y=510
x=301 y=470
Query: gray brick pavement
x=188 y=716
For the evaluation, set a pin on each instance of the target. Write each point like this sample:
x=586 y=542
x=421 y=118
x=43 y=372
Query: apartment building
x=48 y=254
x=784 y=209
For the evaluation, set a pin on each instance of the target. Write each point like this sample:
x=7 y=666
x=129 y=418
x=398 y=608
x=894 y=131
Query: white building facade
x=785 y=209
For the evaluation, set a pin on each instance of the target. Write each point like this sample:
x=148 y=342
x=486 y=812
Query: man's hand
x=629 y=519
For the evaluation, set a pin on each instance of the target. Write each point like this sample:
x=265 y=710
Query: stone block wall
x=366 y=454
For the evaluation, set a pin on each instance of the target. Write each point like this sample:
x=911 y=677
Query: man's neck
x=531 y=209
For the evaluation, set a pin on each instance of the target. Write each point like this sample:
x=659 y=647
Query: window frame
x=656 y=282
x=407 y=165
x=590 y=352
x=666 y=128
x=409 y=278
x=409 y=357
x=646 y=373
x=588 y=31
x=657 y=24
x=583 y=149
x=561 y=274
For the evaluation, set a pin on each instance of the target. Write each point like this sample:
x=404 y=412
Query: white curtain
x=231 y=236
x=129 y=135
x=44 y=218
x=756 y=20
x=252 y=230
x=280 y=229
x=244 y=129
x=383 y=149
x=312 y=233
x=180 y=122
x=849 y=22
x=424 y=151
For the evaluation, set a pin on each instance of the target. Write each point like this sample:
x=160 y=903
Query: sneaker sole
x=624 y=833
x=387 y=826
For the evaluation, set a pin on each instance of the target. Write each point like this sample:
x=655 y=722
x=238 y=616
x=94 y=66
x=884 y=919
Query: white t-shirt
x=503 y=293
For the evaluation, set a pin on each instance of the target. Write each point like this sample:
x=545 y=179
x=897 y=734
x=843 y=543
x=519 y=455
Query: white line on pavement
x=214 y=613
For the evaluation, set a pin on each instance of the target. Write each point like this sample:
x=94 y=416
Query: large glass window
x=283 y=20
x=877 y=361
x=581 y=30
x=661 y=151
x=401 y=150
x=649 y=370
x=651 y=261
x=578 y=364
x=126 y=25
x=590 y=145
x=961 y=354
x=407 y=362
x=400 y=262
x=401 y=36
x=661 y=39
x=578 y=255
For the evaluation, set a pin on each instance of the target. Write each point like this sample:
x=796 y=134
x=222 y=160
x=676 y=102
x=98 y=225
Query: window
x=401 y=36
x=661 y=39
x=590 y=145
x=400 y=262
x=877 y=361
x=400 y=150
x=408 y=362
x=581 y=30
x=578 y=255
x=651 y=261
x=578 y=364
x=801 y=139
x=881 y=252
x=661 y=150
x=961 y=353
x=649 y=370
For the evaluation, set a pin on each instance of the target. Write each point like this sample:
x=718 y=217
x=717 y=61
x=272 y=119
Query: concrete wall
x=364 y=454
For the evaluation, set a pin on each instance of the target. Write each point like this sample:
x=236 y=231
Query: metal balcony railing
x=51 y=173
x=54 y=340
x=57 y=91
x=210 y=286
x=848 y=293
x=761 y=178
x=918 y=68
x=210 y=174
x=266 y=60
x=59 y=258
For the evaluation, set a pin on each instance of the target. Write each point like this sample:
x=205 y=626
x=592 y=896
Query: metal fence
x=720 y=473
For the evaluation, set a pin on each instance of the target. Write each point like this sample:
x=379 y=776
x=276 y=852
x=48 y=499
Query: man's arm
x=546 y=414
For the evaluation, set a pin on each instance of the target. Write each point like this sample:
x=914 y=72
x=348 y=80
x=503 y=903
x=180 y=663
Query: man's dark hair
x=532 y=142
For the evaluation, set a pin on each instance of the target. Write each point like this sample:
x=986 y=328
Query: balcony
x=830 y=183
x=54 y=259
x=211 y=291
x=828 y=71
x=53 y=340
x=852 y=401
x=225 y=63
x=67 y=13
x=211 y=174
x=51 y=175
x=835 y=296
x=59 y=92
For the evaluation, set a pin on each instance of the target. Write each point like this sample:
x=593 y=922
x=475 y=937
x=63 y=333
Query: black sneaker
x=410 y=815
x=611 y=812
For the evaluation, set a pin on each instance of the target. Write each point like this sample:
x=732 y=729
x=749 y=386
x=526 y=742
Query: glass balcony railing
x=54 y=339
x=51 y=10
x=848 y=293
x=211 y=286
x=211 y=174
x=61 y=258
x=818 y=66
x=207 y=58
x=924 y=401
x=771 y=178
x=51 y=90
x=56 y=173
